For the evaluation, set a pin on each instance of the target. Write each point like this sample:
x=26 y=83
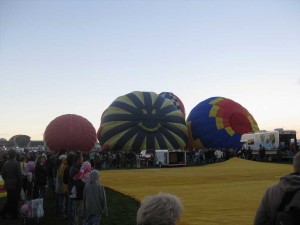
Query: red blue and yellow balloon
x=219 y=122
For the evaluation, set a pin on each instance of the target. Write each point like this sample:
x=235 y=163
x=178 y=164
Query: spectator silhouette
x=274 y=195
x=12 y=176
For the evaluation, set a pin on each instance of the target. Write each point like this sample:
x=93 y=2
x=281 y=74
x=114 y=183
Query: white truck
x=277 y=144
x=167 y=157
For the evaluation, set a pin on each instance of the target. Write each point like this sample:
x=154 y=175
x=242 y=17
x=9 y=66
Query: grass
x=121 y=210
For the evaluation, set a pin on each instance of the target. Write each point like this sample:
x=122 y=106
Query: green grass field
x=121 y=210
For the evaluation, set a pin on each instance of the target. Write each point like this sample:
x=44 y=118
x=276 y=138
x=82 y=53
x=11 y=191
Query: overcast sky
x=61 y=57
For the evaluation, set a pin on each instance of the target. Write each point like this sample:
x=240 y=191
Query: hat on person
x=84 y=172
x=44 y=156
x=62 y=157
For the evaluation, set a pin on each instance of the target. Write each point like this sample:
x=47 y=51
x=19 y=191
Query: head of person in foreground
x=160 y=209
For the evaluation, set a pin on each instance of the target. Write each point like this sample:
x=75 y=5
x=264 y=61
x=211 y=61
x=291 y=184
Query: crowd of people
x=81 y=199
x=79 y=196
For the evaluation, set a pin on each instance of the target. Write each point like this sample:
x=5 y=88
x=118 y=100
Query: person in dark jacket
x=77 y=162
x=12 y=176
x=273 y=197
x=41 y=173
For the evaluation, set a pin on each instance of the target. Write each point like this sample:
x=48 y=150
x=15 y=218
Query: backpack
x=291 y=217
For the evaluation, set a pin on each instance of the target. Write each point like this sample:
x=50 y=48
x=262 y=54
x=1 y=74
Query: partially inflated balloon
x=219 y=123
x=176 y=101
x=142 y=120
x=70 y=132
x=20 y=140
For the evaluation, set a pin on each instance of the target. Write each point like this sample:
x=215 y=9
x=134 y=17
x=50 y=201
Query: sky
x=77 y=57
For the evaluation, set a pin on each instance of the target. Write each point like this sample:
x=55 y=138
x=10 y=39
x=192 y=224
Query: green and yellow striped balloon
x=142 y=120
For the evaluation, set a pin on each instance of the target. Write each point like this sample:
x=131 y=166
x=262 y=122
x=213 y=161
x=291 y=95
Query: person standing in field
x=12 y=176
x=94 y=200
x=80 y=180
x=271 y=201
x=74 y=169
x=60 y=187
x=41 y=173
x=24 y=173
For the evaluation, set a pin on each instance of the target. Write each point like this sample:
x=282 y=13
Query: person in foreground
x=160 y=209
x=271 y=201
x=12 y=176
x=94 y=200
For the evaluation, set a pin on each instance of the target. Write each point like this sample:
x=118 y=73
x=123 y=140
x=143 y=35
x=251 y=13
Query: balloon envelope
x=219 y=123
x=70 y=132
x=176 y=101
x=20 y=140
x=142 y=120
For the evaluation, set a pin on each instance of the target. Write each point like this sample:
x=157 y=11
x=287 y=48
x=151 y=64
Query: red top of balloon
x=70 y=132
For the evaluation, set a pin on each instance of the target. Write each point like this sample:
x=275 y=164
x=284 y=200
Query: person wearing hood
x=80 y=179
x=94 y=200
x=274 y=195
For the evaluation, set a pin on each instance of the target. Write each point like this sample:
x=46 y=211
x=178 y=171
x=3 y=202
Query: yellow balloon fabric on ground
x=221 y=193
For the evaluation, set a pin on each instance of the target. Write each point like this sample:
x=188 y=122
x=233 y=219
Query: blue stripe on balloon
x=169 y=136
x=139 y=140
x=168 y=109
x=126 y=107
x=136 y=101
x=115 y=130
x=148 y=101
x=176 y=130
x=126 y=137
x=118 y=117
x=158 y=102
x=150 y=141
x=160 y=140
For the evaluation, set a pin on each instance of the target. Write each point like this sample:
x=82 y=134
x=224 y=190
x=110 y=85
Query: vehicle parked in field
x=277 y=144
x=167 y=157
x=146 y=154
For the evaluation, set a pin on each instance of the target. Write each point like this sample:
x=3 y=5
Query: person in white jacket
x=94 y=200
x=274 y=195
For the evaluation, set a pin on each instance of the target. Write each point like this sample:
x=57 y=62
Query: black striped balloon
x=142 y=120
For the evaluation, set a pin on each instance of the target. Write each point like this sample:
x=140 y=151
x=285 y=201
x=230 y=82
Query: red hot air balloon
x=70 y=132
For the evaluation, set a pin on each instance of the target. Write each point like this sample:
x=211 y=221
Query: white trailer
x=277 y=143
x=166 y=157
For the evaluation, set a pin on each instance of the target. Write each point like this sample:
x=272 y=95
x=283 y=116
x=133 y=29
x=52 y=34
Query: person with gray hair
x=160 y=209
x=271 y=201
